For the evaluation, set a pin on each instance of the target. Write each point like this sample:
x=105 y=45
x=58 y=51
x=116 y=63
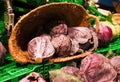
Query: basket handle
x=96 y=21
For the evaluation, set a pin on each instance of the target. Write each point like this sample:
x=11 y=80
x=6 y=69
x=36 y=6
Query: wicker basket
x=73 y=14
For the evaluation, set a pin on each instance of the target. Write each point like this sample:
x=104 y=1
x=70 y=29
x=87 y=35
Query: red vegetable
x=62 y=44
x=40 y=48
x=59 y=29
x=97 y=68
x=104 y=35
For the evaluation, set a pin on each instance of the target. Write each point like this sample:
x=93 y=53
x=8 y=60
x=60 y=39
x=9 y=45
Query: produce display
x=62 y=42
x=85 y=40
x=45 y=40
x=94 y=68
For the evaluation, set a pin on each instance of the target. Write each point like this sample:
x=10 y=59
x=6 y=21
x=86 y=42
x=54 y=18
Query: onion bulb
x=115 y=28
x=104 y=35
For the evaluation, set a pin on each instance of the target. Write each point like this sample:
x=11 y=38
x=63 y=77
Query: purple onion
x=104 y=35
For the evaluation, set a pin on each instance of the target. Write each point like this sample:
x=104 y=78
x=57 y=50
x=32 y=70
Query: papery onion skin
x=104 y=35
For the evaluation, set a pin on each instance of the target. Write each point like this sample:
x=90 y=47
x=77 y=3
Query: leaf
x=109 y=18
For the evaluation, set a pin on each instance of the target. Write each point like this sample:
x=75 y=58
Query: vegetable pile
x=94 y=68
x=62 y=41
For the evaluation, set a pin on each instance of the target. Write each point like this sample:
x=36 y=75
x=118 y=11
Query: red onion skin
x=104 y=35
